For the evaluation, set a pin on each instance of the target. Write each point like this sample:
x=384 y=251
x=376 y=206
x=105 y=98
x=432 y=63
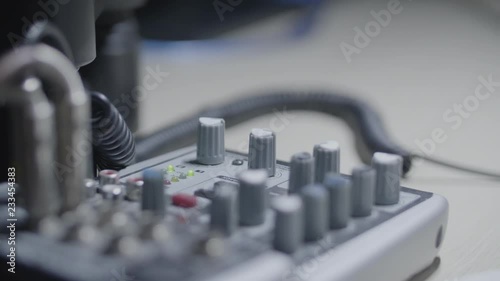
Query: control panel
x=206 y=213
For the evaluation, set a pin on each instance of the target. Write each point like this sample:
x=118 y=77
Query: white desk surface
x=426 y=60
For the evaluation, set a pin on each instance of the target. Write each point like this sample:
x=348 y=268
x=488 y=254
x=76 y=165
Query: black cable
x=113 y=142
x=370 y=134
x=448 y=164
x=367 y=125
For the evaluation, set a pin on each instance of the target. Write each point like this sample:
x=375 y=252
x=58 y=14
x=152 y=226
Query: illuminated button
x=190 y=173
x=170 y=169
x=184 y=200
x=174 y=179
x=182 y=176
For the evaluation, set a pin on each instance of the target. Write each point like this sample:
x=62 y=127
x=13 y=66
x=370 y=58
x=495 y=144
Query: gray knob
x=153 y=193
x=224 y=209
x=252 y=197
x=388 y=168
x=210 y=146
x=326 y=159
x=363 y=189
x=339 y=193
x=315 y=200
x=289 y=221
x=262 y=150
x=301 y=171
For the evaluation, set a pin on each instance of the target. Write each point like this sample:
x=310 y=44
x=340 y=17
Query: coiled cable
x=113 y=142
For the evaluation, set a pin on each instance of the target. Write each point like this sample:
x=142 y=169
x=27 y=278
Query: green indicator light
x=170 y=169
x=174 y=179
x=190 y=173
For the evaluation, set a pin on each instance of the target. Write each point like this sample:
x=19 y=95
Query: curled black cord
x=371 y=135
x=367 y=125
x=114 y=144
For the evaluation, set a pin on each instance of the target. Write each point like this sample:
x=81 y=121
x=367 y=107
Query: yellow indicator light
x=174 y=179
x=190 y=173
x=170 y=169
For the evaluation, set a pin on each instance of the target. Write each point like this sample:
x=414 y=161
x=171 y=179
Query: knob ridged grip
x=363 y=189
x=262 y=150
x=210 y=145
x=252 y=194
x=388 y=168
x=327 y=159
x=301 y=172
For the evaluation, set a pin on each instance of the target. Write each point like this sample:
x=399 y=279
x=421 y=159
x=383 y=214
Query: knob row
x=211 y=150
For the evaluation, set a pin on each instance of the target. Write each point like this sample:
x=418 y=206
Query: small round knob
x=327 y=159
x=262 y=150
x=388 y=168
x=315 y=200
x=301 y=171
x=289 y=221
x=363 y=189
x=112 y=192
x=108 y=177
x=224 y=209
x=133 y=188
x=153 y=193
x=210 y=146
x=339 y=193
x=252 y=194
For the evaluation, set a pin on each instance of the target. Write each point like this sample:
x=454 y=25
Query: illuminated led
x=174 y=179
x=190 y=173
x=170 y=169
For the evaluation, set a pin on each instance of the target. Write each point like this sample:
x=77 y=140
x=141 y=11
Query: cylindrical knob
x=262 y=150
x=339 y=193
x=388 y=168
x=289 y=221
x=91 y=187
x=224 y=209
x=252 y=194
x=112 y=192
x=363 y=189
x=153 y=193
x=210 y=146
x=315 y=199
x=108 y=177
x=301 y=171
x=327 y=159
x=133 y=188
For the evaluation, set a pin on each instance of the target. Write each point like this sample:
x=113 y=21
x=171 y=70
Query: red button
x=184 y=200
